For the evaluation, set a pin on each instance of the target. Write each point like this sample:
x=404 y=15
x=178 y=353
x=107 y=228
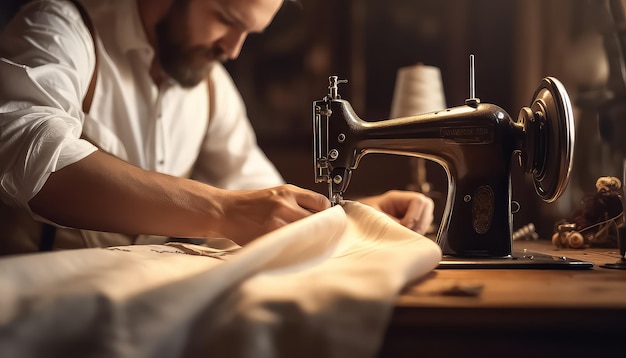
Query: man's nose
x=233 y=43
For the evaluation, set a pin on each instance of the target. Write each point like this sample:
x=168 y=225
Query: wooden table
x=514 y=312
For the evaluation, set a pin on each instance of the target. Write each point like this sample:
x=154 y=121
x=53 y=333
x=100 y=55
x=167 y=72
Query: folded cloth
x=322 y=286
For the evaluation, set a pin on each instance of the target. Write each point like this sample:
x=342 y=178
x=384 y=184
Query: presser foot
x=337 y=201
x=335 y=198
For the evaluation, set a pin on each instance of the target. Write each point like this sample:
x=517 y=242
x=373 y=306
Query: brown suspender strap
x=48 y=232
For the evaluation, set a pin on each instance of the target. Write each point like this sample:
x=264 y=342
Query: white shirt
x=48 y=60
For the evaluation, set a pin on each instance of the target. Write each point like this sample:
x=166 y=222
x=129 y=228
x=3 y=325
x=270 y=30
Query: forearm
x=104 y=193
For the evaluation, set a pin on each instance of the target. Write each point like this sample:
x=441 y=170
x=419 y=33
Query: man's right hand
x=251 y=213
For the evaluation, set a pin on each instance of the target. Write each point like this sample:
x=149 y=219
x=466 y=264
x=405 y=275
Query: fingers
x=250 y=214
x=310 y=200
x=413 y=210
x=292 y=203
x=419 y=214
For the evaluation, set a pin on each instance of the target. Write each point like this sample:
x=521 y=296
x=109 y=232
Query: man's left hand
x=411 y=209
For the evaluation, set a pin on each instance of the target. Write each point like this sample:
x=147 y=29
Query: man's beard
x=187 y=65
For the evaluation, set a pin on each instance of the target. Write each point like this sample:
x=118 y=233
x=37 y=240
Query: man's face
x=196 y=33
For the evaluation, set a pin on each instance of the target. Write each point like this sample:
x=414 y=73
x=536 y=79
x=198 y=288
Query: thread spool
x=418 y=89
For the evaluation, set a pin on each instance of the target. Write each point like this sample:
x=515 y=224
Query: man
x=164 y=111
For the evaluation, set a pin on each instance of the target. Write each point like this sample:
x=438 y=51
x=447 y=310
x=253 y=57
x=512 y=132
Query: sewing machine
x=475 y=143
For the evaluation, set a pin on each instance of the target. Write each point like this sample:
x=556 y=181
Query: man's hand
x=411 y=209
x=251 y=213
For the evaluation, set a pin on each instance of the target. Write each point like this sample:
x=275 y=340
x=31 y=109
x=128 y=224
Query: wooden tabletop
x=524 y=312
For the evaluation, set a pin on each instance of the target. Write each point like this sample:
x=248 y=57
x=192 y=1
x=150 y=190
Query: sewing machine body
x=474 y=143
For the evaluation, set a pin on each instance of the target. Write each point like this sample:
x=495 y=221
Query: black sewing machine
x=475 y=144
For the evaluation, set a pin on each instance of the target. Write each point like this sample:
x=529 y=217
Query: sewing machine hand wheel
x=548 y=143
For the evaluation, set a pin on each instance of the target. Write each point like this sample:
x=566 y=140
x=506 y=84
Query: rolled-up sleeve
x=46 y=66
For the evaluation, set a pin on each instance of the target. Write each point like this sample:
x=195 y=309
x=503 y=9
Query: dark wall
x=7 y=9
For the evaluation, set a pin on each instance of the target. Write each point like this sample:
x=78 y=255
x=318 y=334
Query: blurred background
x=515 y=43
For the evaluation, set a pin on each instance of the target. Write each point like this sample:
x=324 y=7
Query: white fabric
x=48 y=61
x=322 y=286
